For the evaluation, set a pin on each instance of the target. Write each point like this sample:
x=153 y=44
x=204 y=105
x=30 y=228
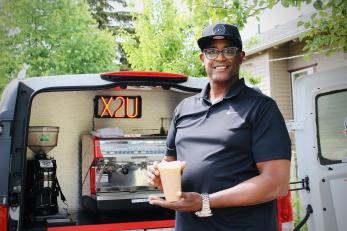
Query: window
x=302 y=72
x=331 y=121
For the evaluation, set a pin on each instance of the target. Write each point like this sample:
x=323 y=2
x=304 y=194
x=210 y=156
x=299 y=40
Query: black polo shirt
x=221 y=144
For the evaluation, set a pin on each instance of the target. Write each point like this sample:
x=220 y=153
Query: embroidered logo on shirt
x=230 y=111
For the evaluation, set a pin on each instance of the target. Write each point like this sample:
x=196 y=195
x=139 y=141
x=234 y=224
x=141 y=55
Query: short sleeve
x=270 y=138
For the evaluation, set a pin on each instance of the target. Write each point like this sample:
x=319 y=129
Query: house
x=277 y=57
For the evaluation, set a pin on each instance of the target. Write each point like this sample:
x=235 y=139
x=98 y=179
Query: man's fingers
x=183 y=165
x=163 y=203
x=188 y=202
x=154 y=200
x=150 y=174
x=154 y=168
x=157 y=185
x=154 y=182
x=153 y=177
x=150 y=182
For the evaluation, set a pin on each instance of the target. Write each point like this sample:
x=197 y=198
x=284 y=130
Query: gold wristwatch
x=205 y=211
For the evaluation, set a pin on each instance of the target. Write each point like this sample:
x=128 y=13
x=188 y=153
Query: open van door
x=320 y=114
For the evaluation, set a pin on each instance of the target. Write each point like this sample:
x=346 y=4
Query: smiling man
x=234 y=142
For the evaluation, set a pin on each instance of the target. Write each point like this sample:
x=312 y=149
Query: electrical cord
x=309 y=210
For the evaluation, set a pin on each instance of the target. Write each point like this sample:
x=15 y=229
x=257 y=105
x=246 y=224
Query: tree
x=114 y=15
x=327 y=27
x=233 y=11
x=165 y=36
x=52 y=37
x=100 y=9
x=161 y=40
x=104 y=11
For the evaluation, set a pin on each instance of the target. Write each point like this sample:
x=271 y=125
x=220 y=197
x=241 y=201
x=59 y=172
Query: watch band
x=205 y=211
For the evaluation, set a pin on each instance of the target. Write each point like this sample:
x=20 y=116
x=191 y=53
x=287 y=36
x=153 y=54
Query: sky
x=270 y=18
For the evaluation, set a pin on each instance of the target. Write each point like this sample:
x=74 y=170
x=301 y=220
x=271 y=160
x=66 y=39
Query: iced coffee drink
x=170 y=175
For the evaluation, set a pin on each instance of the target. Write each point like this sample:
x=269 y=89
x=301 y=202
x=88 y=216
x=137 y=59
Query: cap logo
x=219 y=29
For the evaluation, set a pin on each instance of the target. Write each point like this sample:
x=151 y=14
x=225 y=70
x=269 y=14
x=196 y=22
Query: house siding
x=276 y=81
x=322 y=61
x=280 y=83
x=258 y=66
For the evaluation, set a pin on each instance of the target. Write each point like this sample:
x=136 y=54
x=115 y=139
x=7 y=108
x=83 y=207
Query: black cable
x=309 y=210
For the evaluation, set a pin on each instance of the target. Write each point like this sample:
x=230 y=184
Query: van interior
x=138 y=113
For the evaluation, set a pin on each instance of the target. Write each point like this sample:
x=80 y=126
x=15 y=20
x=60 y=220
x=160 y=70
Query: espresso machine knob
x=125 y=170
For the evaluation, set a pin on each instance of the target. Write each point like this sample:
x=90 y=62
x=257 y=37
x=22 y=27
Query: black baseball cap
x=220 y=31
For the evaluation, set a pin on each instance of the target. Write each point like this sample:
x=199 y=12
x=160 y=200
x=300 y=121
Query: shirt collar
x=234 y=90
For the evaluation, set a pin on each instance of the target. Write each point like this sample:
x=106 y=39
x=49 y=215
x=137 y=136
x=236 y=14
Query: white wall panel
x=73 y=113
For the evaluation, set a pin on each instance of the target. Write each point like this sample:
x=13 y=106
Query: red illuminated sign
x=117 y=106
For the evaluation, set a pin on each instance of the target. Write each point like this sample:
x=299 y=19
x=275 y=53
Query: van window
x=331 y=120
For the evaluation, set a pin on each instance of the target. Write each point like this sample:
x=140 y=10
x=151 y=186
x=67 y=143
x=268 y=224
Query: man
x=235 y=145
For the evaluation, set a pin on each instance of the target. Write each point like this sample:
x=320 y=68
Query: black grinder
x=43 y=187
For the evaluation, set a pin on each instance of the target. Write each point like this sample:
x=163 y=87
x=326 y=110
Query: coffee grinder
x=42 y=181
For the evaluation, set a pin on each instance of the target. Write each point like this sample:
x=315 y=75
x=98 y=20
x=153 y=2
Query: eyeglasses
x=228 y=52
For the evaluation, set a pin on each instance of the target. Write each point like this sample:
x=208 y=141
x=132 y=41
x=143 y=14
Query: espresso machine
x=114 y=172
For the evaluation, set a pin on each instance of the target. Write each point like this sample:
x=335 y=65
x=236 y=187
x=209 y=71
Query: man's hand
x=189 y=202
x=154 y=175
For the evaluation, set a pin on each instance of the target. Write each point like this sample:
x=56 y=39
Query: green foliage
x=327 y=27
x=162 y=40
x=52 y=37
x=250 y=78
x=165 y=36
x=298 y=210
x=99 y=9
x=103 y=12
x=117 y=18
x=234 y=12
x=251 y=42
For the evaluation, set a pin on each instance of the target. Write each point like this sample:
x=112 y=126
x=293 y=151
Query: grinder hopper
x=42 y=139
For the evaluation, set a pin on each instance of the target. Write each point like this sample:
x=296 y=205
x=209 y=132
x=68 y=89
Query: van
x=320 y=126
x=75 y=150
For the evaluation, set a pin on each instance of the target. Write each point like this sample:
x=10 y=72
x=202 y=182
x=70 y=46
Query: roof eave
x=274 y=43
